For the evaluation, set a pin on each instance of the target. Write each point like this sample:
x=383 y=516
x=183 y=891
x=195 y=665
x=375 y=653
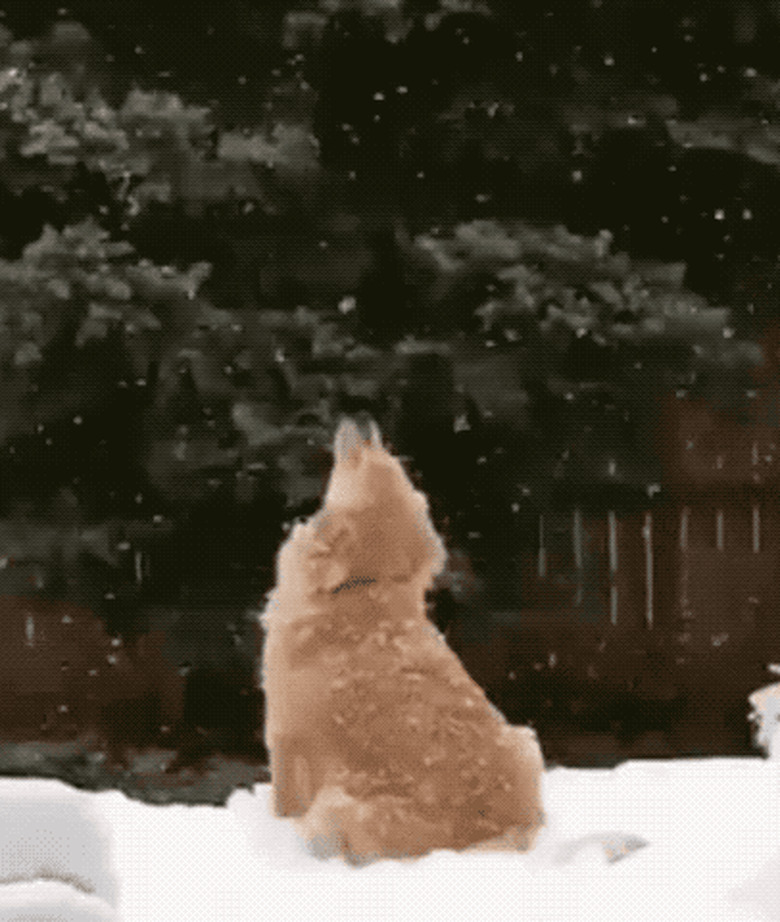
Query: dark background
x=537 y=242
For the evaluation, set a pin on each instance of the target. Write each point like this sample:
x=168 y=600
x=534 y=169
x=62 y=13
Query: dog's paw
x=606 y=847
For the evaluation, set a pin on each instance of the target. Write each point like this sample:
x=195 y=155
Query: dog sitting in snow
x=380 y=742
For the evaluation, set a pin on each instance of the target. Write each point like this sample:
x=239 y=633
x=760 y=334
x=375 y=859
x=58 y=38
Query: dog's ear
x=375 y=436
x=347 y=450
x=354 y=441
x=349 y=442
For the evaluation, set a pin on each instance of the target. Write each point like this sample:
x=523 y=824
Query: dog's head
x=372 y=506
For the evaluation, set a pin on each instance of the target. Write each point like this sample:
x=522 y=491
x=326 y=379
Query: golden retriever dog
x=381 y=744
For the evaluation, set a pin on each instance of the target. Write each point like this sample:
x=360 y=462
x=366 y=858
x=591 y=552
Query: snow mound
x=55 y=854
x=51 y=901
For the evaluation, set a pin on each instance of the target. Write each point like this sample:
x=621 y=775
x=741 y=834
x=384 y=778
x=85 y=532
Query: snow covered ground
x=711 y=825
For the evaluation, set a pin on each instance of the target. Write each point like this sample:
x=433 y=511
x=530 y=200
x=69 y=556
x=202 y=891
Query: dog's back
x=379 y=739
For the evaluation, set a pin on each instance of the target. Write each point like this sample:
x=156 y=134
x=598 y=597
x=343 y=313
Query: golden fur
x=381 y=744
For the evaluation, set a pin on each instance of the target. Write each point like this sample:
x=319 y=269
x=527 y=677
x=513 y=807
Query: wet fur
x=381 y=744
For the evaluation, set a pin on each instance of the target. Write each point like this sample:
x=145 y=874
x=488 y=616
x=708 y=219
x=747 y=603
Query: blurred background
x=537 y=242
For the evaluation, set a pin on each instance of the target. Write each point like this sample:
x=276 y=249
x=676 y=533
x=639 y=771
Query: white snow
x=765 y=716
x=711 y=825
x=59 y=837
